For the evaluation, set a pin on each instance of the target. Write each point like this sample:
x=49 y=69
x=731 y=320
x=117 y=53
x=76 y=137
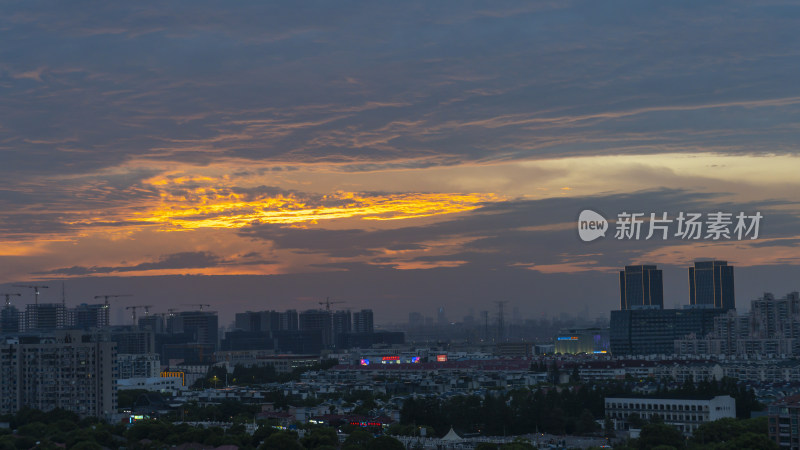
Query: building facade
x=641 y=286
x=66 y=369
x=711 y=284
x=683 y=413
x=654 y=331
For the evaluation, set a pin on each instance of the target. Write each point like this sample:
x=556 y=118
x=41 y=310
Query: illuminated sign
x=180 y=375
x=599 y=351
x=441 y=358
x=364 y=362
x=367 y=424
x=390 y=358
x=137 y=417
x=568 y=338
x=414 y=359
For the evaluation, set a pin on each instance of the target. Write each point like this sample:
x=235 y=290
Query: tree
x=586 y=423
x=750 y=440
x=486 y=446
x=359 y=438
x=319 y=437
x=385 y=443
x=576 y=376
x=608 y=428
x=281 y=440
x=656 y=434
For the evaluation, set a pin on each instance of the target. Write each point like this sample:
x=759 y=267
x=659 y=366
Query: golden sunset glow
x=233 y=211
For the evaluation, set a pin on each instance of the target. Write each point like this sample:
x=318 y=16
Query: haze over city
x=261 y=155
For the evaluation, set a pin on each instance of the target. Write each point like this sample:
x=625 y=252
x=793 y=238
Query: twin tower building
x=710 y=286
x=643 y=327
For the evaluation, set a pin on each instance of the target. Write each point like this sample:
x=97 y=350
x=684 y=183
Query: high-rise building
x=711 y=284
x=10 y=320
x=641 y=286
x=152 y=322
x=67 y=369
x=318 y=319
x=289 y=320
x=86 y=317
x=772 y=317
x=203 y=326
x=132 y=340
x=258 y=321
x=362 y=321
x=45 y=316
x=342 y=322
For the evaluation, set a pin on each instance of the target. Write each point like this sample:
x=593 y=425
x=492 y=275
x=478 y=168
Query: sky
x=399 y=156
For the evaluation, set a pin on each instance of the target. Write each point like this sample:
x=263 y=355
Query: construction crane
x=328 y=303
x=197 y=304
x=8 y=298
x=35 y=290
x=133 y=310
x=108 y=296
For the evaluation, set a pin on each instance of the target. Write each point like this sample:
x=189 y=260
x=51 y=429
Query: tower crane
x=35 y=290
x=108 y=296
x=201 y=305
x=328 y=303
x=8 y=298
x=133 y=310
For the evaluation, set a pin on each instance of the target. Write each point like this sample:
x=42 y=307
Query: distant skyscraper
x=318 y=319
x=641 y=286
x=441 y=317
x=86 y=316
x=202 y=325
x=342 y=322
x=10 y=319
x=45 y=316
x=711 y=284
x=258 y=321
x=362 y=321
x=289 y=320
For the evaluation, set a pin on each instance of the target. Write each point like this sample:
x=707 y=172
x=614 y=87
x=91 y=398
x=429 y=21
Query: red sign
x=441 y=358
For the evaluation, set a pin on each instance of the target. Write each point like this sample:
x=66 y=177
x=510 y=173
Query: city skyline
x=395 y=157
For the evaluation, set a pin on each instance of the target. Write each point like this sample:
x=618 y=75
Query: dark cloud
x=183 y=260
x=86 y=88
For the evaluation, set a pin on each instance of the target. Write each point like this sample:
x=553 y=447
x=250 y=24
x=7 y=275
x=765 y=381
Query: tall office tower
x=202 y=325
x=362 y=321
x=641 y=287
x=711 y=284
x=85 y=316
x=45 y=316
x=317 y=319
x=66 y=369
x=10 y=319
x=289 y=320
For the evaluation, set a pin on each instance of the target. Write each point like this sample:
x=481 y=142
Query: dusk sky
x=398 y=156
